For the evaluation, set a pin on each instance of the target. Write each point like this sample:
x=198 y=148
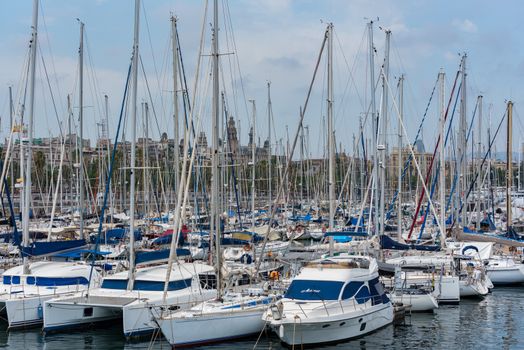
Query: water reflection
x=495 y=322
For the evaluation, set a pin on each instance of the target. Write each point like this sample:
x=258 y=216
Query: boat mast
x=11 y=117
x=331 y=146
x=27 y=180
x=509 y=168
x=145 y=161
x=81 y=126
x=399 y=154
x=269 y=146
x=308 y=167
x=132 y=180
x=215 y=215
x=70 y=149
x=374 y=122
x=463 y=145
x=111 y=194
x=520 y=166
x=479 y=170
x=253 y=151
x=382 y=145
x=361 y=161
x=442 y=173
x=176 y=149
x=301 y=167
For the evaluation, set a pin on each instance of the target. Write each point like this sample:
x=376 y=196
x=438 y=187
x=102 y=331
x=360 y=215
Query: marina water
x=495 y=322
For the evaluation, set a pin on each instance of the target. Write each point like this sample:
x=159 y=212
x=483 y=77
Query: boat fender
x=266 y=286
x=40 y=312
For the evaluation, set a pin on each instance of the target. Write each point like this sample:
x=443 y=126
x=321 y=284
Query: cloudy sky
x=276 y=41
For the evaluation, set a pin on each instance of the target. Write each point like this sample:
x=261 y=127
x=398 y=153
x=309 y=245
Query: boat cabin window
x=377 y=291
x=146 y=285
x=351 y=289
x=362 y=295
x=207 y=281
x=114 y=284
x=60 y=281
x=314 y=290
x=159 y=285
x=11 y=279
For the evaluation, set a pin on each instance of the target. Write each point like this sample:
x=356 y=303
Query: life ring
x=246 y=259
x=274 y=275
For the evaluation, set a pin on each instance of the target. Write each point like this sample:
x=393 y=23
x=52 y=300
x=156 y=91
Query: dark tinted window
x=351 y=289
x=314 y=290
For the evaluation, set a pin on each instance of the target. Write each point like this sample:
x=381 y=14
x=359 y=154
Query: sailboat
x=339 y=296
x=130 y=295
x=25 y=288
x=233 y=314
x=113 y=299
x=501 y=269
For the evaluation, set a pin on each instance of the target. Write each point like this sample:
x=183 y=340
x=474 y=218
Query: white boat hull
x=505 y=275
x=333 y=329
x=417 y=302
x=446 y=288
x=473 y=289
x=212 y=327
x=74 y=313
x=23 y=297
x=138 y=317
x=24 y=312
x=136 y=314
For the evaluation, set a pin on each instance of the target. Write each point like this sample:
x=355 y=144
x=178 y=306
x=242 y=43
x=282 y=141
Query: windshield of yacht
x=314 y=290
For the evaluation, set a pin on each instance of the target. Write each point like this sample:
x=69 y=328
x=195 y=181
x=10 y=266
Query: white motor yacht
x=332 y=299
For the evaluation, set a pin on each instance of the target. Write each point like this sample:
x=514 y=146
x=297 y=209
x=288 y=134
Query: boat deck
x=95 y=300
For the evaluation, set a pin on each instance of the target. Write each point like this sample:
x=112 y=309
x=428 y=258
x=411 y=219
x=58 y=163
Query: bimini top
x=340 y=268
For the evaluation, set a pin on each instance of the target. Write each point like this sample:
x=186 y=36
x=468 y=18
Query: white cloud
x=276 y=40
x=465 y=25
x=450 y=56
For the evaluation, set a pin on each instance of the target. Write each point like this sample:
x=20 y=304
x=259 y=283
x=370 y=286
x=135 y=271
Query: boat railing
x=334 y=306
x=324 y=303
x=301 y=309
